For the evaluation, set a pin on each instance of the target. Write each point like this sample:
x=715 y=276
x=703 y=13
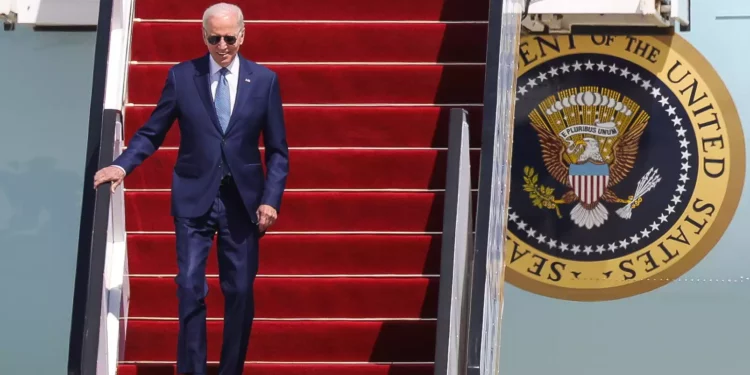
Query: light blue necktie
x=221 y=100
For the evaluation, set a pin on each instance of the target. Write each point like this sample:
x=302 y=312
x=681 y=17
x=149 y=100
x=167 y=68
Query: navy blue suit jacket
x=186 y=97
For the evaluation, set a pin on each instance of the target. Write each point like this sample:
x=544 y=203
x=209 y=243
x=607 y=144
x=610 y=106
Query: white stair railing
x=116 y=290
x=119 y=54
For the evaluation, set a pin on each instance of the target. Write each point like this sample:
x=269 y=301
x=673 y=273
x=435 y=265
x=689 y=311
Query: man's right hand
x=112 y=174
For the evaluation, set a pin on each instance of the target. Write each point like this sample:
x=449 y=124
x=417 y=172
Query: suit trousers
x=237 y=240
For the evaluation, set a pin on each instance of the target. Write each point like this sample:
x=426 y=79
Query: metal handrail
x=116 y=290
x=457 y=252
x=101 y=288
x=87 y=298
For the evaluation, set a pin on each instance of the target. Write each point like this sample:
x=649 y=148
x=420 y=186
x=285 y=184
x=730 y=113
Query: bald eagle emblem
x=589 y=139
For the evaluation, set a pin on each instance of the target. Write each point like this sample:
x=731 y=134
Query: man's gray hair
x=223 y=8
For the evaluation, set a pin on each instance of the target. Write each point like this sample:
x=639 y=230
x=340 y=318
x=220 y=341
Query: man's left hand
x=266 y=217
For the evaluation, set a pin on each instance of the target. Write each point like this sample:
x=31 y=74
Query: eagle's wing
x=553 y=151
x=625 y=151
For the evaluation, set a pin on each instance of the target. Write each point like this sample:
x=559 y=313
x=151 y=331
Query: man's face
x=218 y=29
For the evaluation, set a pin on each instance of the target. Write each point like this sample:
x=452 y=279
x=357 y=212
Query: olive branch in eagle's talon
x=541 y=196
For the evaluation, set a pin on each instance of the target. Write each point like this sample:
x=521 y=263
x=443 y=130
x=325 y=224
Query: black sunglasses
x=215 y=39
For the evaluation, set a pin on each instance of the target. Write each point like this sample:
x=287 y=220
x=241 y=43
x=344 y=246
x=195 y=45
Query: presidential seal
x=628 y=164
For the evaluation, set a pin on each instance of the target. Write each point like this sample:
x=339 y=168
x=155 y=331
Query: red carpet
x=335 y=10
x=347 y=84
x=299 y=297
x=413 y=126
x=332 y=169
x=299 y=341
x=287 y=254
x=293 y=369
x=348 y=275
x=322 y=42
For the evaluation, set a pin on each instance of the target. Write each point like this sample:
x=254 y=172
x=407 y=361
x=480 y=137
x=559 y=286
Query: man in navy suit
x=223 y=103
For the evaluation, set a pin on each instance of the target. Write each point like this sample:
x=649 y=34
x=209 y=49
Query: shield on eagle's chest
x=589 y=180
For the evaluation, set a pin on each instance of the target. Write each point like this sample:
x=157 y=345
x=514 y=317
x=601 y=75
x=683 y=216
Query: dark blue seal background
x=659 y=147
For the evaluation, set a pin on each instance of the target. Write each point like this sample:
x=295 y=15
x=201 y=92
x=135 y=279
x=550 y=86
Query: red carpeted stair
x=348 y=276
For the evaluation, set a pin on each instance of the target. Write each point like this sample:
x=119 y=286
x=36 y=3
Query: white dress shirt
x=232 y=79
